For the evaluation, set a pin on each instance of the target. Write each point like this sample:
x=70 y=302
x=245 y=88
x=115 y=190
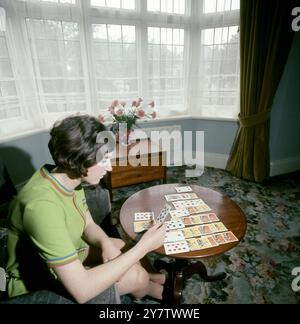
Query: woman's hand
x=109 y=251
x=154 y=238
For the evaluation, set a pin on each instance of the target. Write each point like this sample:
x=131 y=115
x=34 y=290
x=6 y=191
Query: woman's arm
x=94 y=235
x=84 y=284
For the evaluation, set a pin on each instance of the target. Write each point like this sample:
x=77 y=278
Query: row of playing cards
x=185 y=196
x=200 y=243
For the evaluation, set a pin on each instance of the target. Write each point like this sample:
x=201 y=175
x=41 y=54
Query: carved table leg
x=179 y=271
x=200 y=269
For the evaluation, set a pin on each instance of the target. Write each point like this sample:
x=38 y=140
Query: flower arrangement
x=126 y=115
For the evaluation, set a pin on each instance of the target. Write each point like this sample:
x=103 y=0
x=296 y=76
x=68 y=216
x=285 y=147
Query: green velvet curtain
x=266 y=37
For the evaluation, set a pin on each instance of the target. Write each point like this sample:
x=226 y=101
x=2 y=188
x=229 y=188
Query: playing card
x=205 y=219
x=183 y=189
x=141 y=226
x=163 y=214
x=205 y=229
x=174 y=236
x=213 y=217
x=219 y=238
x=187 y=232
x=193 y=245
x=187 y=221
x=143 y=216
x=179 y=213
x=196 y=231
x=174 y=224
x=211 y=240
x=229 y=237
x=196 y=220
x=220 y=227
x=203 y=243
x=176 y=247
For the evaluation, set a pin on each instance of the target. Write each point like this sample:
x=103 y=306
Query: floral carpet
x=259 y=269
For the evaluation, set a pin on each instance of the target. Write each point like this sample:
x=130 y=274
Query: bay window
x=60 y=57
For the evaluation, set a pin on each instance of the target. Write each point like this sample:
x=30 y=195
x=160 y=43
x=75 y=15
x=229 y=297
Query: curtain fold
x=265 y=39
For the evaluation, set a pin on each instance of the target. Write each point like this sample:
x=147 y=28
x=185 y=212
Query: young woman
x=53 y=242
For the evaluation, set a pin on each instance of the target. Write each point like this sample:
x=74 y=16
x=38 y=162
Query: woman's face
x=99 y=170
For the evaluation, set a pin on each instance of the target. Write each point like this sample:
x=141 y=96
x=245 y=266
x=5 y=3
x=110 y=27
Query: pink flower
x=134 y=103
x=115 y=103
x=111 y=109
x=152 y=104
x=101 y=119
x=120 y=112
x=154 y=115
x=140 y=113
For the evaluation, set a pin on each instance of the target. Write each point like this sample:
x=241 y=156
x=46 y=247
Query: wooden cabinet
x=135 y=164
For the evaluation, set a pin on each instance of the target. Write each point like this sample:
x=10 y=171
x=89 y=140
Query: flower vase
x=123 y=138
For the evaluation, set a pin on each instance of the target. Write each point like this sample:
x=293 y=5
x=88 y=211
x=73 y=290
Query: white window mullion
x=194 y=49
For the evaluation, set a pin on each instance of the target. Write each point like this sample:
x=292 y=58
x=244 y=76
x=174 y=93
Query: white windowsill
x=144 y=123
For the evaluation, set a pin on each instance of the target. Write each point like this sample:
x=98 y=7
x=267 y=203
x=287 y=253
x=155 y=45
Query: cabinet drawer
x=125 y=176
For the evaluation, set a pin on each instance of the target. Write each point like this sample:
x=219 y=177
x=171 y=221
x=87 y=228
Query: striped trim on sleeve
x=56 y=262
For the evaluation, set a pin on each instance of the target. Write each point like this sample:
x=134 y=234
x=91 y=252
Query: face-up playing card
x=143 y=216
x=174 y=236
x=187 y=233
x=177 y=247
x=213 y=217
x=211 y=240
x=140 y=227
x=219 y=239
x=179 y=213
x=183 y=189
x=229 y=237
x=193 y=245
x=163 y=214
x=220 y=227
x=174 y=225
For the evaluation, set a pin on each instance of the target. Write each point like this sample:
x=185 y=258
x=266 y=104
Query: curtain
x=265 y=39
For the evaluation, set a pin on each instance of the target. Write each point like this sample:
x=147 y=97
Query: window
x=60 y=57
x=166 y=68
x=220 y=72
x=212 y=6
x=52 y=1
x=118 y=4
x=115 y=55
x=9 y=101
x=57 y=60
x=167 y=6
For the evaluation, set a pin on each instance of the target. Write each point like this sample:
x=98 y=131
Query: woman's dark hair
x=73 y=144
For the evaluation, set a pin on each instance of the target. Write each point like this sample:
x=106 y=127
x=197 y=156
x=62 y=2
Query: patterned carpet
x=259 y=269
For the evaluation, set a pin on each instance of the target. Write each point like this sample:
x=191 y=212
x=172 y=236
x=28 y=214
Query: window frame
x=193 y=22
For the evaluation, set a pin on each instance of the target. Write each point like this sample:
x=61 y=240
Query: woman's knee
x=118 y=243
x=141 y=279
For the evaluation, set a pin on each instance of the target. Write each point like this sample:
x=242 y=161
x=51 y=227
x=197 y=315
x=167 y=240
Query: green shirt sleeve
x=44 y=222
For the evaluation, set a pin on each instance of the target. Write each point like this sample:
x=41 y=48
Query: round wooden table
x=153 y=199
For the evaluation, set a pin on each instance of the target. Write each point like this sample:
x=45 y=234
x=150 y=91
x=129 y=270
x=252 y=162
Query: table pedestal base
x=181 y=270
